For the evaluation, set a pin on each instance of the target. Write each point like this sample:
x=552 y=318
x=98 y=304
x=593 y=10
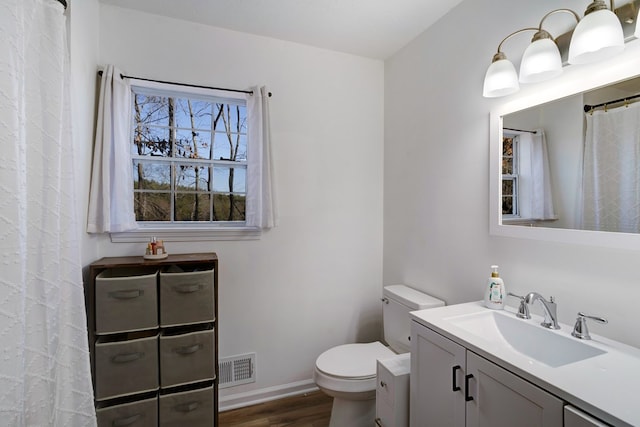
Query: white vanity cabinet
x=452 y=386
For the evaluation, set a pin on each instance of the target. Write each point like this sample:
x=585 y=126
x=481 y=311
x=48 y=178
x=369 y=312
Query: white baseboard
x=240 y=400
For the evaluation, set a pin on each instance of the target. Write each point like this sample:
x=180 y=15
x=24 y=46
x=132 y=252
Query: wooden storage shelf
x=148 y=307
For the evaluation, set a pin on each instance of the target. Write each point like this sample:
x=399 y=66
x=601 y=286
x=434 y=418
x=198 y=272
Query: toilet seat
x=350 y=368
x=352 y=361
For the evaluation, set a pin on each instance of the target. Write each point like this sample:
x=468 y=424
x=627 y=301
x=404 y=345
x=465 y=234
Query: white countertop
x=606 y=386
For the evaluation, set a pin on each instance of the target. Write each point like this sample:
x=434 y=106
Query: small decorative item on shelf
x=155 y=250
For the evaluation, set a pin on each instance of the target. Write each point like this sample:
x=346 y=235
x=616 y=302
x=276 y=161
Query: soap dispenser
x=495 y=293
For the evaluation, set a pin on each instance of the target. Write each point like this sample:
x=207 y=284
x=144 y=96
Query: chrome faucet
x=549 y=308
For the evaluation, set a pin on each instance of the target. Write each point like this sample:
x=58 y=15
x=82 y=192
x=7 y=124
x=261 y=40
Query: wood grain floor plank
x=307 y=410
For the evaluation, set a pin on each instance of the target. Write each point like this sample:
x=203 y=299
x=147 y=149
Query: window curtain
x=541 y=193
x=261 y=205
x=45 y=376
x=611 y=170
x=111 y=197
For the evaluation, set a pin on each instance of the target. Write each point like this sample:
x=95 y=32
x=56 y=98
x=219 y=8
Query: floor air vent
x=236 y=370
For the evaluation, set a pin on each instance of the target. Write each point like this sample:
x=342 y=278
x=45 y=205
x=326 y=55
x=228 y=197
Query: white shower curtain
x=44 y=367
x=611 y=170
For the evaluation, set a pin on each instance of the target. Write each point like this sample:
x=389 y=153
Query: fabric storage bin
x=126 y=300
x=186 y=358
x=190 y=408
x=126 y=367
x=143 y=413
x=186 y=297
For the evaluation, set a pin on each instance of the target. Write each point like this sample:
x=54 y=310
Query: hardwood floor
x=308 y=410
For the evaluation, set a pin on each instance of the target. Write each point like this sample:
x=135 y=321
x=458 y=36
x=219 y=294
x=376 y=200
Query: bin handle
x=188 y=288
x=127 y=357
x=130 y=294
x=122 y=422
x=189 y=349
x=187 y=407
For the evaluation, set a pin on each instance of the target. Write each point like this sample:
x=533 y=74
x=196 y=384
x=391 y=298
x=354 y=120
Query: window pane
x=229 y=207
x=230 y=147
x=230 y=117
x=507 y=146
x=192 y=113
x=191 y=177
x=152 y=206
x=151 y=110
x=229 y=179
x=150 y=140
x=151 y=176
x=186 y=148
x=193 y=207
x=507 y=205
x=507 y=166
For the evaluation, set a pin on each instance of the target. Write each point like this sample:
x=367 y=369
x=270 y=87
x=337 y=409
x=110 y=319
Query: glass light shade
x=501 y=79
x=540 y=61
x=597 y=36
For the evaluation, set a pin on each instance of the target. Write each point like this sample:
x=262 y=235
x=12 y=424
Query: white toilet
x=348 y=372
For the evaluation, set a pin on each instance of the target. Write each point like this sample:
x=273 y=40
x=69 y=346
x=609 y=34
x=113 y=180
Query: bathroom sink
x=527 y=337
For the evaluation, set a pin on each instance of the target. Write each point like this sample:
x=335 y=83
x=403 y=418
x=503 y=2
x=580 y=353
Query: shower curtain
x=44 y=364
x=611 y=170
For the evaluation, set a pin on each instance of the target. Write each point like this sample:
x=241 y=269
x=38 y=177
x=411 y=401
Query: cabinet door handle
x=454 y=385
x=127 y=357
x=134 y=293
x=467 y=396
x=188 y=288
x=122 y=422
x=187 y=407
x=189 y=349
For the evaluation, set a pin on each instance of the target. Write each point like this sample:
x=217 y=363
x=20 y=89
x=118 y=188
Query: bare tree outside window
x=189 y=159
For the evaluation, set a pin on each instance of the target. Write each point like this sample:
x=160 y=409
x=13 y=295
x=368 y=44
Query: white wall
x=436 y=224
x=83 y=44
x=314 y=281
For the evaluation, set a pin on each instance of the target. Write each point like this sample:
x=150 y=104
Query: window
x=189 y=155
x=510 y=151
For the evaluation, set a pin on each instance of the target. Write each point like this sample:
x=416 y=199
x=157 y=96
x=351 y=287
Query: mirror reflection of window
x=510 y=176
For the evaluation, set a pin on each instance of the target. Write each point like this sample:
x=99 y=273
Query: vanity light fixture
x=501 y=78
x=597 y=36
x=541 y=59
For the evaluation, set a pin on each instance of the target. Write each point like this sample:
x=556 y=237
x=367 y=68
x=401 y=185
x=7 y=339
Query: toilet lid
x=353 y=360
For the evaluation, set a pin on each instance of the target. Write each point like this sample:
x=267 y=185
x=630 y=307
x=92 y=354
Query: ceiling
x=370 y=28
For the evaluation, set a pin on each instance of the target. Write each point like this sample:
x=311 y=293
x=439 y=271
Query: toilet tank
x=398 y=301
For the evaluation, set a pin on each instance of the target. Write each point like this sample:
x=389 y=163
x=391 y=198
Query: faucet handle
x=523 y=309
x=580 y=329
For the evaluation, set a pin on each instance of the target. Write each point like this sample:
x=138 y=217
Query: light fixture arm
x=499 y=55
x=569 y=11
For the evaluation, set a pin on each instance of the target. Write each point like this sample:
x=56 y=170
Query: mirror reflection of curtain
x=611 y=170
x=541 y=196
x=535 y=198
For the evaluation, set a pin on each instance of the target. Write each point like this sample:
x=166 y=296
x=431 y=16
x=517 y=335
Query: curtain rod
x=521 y=130
x=185 y=84
x=63 y=2
x=588 y=108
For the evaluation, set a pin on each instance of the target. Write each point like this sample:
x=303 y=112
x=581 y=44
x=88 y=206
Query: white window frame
x=179 y=231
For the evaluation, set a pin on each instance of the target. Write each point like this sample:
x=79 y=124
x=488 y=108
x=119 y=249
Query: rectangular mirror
x=562 y=174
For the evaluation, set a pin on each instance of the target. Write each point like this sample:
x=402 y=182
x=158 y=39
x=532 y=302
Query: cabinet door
x=437 y=380
x=573 y=417
x=501 y=399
